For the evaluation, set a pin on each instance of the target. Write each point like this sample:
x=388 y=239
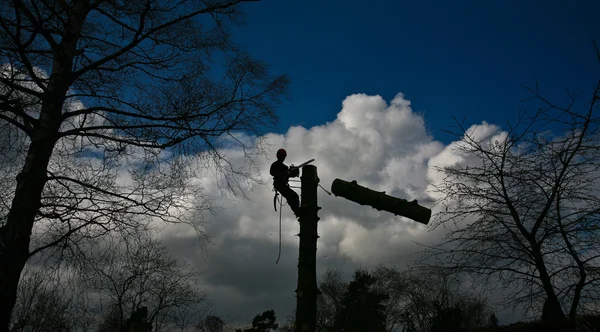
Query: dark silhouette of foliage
x=211 y=323
x=449 y=319
x=111 y=321
x=264 y=322
x=290 y=322
x=47 y=311
x=138 y=271
x=493 y=321
x=412 y=299
x=362 y=307
x=332 y=287
x=408 y=324
x=580 y=323
x=138 y=322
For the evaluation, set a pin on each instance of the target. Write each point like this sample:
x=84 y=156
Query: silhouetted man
x=281 y=174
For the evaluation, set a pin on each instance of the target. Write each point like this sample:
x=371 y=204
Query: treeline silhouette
x=133 y=284
x=418 y=300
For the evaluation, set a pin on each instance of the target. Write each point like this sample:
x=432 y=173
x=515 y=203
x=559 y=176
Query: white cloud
x=382 y=146
x=453 y=154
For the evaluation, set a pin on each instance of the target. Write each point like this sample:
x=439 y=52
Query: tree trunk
x=306 y=292
x=15 y=235
x=578 y=289
x=552 y=310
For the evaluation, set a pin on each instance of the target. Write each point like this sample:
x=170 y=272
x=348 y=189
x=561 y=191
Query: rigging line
x=280 y=208
x=328 y=193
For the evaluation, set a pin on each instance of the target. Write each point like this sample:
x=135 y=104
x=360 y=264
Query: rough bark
x=16 y=233
x=552 y=310
x=306 y=292
x=14 y=248
x=380 y=201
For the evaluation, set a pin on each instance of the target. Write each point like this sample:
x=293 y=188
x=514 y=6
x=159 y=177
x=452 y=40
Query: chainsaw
x=301 y=165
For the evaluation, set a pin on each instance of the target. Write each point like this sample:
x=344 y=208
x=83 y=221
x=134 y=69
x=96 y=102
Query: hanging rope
x=328 y=193
x=280 y=208
x=275 y=200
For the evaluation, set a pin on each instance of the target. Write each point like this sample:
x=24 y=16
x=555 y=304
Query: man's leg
x=291 y=197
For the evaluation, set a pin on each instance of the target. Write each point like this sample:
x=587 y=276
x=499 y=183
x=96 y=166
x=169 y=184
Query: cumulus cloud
x=384 y=146
x=456 y=153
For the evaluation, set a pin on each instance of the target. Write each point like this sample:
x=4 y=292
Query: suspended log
x=379 y=200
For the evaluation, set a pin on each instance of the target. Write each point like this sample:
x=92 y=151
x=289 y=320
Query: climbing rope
x=280 y=200
x=280 y=209
x=328 y=193
x=280 y=205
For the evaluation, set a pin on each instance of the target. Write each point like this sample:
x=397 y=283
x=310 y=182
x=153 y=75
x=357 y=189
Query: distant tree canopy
x=265 y=322
x=135 y=282
x=362 y=306
x=493 y=321
x=41 y=307
x=211 y=323
x=386 y=299
x=376 y=299
x=138 y=321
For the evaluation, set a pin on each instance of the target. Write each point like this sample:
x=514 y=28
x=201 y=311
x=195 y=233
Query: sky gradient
x=459 y=58
x=383 y=78
x=374 y=85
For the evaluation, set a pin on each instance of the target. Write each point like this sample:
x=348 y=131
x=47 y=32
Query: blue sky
x=459 y=58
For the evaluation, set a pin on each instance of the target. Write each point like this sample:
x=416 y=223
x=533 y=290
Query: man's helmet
x=281 y=153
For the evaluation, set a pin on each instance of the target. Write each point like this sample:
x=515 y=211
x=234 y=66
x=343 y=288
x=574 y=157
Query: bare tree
x=434 y=298
x=395 y=284
x=115 y=106
x=523 y=206
x=416 y=298
x=43 y=304
x=332 y=287
x=126 y=275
